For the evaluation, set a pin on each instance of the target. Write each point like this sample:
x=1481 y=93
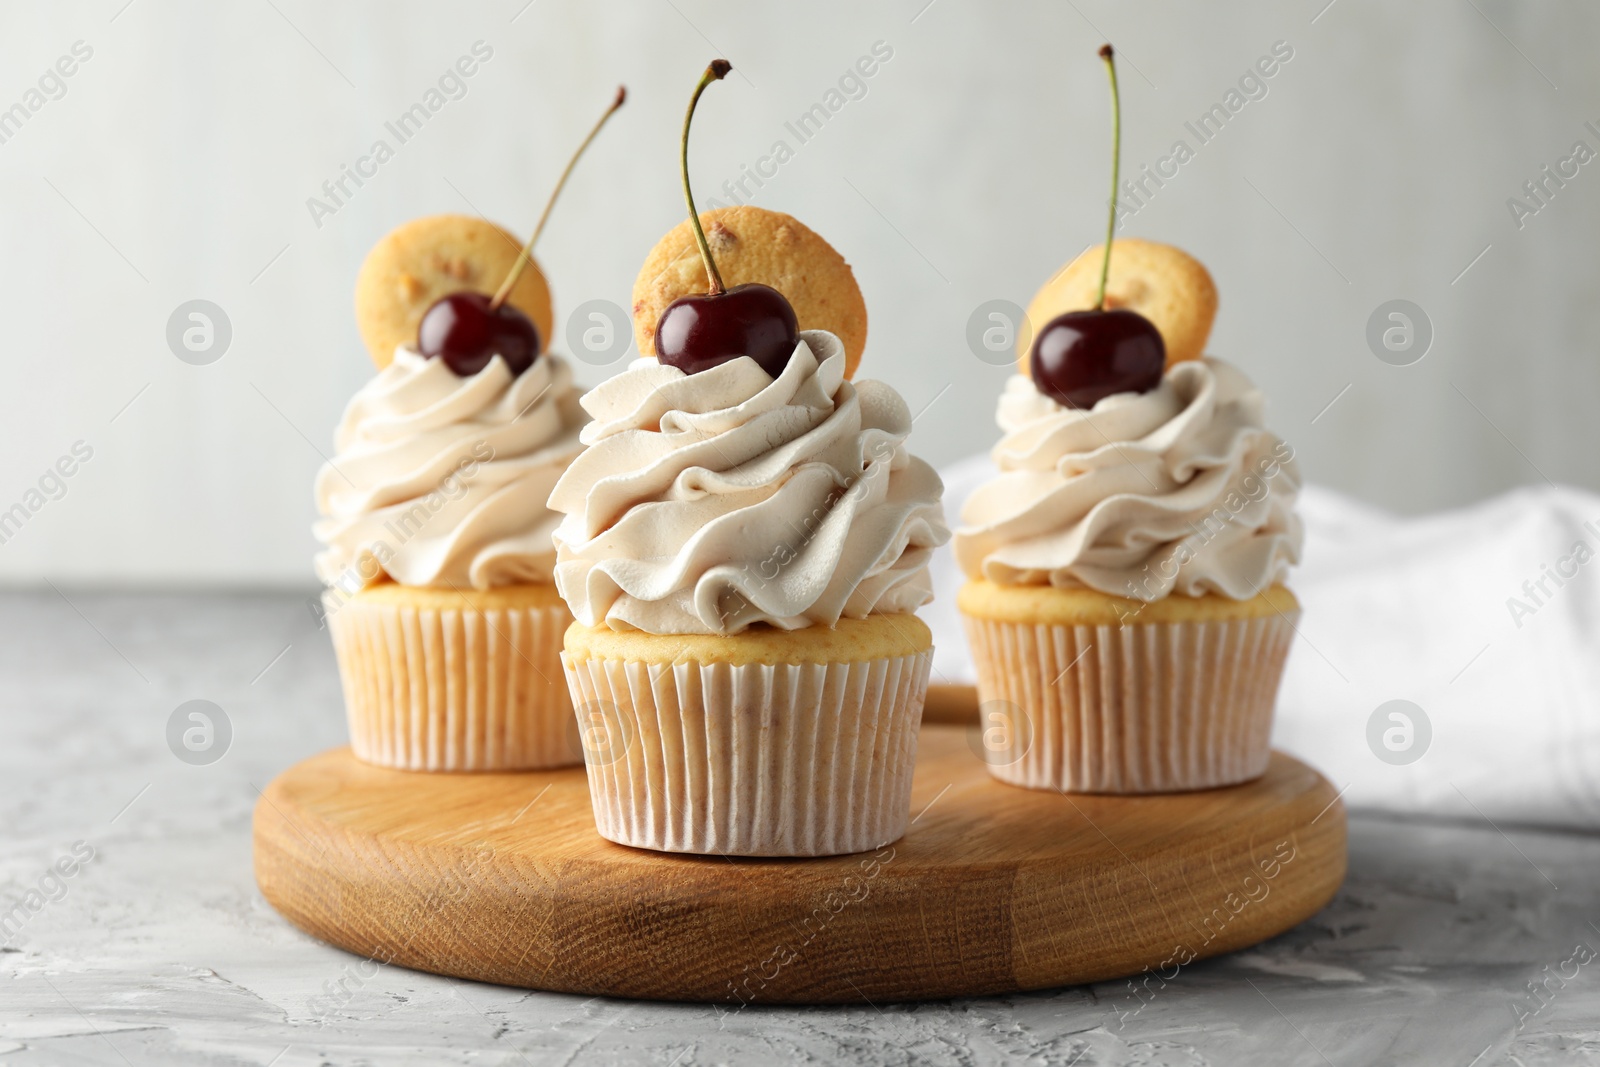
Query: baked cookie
x=1166 y=285
x=752 y=244
x=425 y=259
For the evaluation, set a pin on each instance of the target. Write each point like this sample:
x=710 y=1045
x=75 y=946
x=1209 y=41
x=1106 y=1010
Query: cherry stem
x=1116 y=166
x=525 y=256
x=718 y=70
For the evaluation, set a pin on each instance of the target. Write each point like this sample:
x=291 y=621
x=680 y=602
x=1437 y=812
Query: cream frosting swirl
x=441 y=480
x=1178 y=490
x=711 y=502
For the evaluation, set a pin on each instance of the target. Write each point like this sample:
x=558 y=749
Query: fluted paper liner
x=465 y=689
x=753 y=759
x=1144 y=708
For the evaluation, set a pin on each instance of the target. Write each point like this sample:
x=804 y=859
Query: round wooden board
x=994 y=889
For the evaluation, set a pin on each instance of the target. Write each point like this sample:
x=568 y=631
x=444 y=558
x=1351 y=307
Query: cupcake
x=744 y=541
x=1124 y=600
x=437 y=541
x=438 y=561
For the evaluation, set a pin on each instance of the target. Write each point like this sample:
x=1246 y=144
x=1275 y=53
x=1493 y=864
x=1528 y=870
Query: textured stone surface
x=160 y=950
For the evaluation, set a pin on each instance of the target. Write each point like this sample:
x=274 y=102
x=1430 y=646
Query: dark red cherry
x=464 y=331
x=1082 y=357
x=699 y=332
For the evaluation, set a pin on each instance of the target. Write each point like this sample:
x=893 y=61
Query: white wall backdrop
x=176 y=161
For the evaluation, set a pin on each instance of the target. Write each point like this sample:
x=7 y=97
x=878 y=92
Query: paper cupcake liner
x=751 y=760
x=1143 y=708
x=455 y=690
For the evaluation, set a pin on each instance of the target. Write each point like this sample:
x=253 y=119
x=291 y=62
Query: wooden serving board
x=994 y=889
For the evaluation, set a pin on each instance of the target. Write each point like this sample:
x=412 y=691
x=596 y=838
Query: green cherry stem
x=1116 y=166
x=718 y=70
x=526 y=255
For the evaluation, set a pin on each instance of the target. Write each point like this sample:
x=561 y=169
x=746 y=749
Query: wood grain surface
x=502 y=878
x=950 y=705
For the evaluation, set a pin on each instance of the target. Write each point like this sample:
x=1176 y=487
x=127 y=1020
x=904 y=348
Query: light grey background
x=178 y=164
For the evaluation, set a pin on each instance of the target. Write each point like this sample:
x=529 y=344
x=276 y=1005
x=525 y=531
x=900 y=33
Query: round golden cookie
x=1166 y=285
x=752 y=244
x=425 y=259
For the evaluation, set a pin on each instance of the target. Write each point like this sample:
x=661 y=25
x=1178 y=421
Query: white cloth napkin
x=1444 y=611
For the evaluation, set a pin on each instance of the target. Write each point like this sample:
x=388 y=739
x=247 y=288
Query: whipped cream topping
x=441 y=480
x=1178 y=490
x=710 y=502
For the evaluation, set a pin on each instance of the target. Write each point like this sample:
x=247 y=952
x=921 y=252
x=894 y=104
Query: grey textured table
x=159 y=949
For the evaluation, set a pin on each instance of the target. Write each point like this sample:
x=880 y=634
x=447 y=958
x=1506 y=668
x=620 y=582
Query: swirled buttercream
x=1178 y=490
x=440 y=480
x=711 y=502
